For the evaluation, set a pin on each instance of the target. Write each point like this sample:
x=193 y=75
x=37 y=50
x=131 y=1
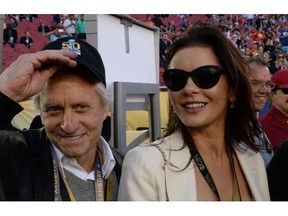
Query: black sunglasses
x=284 y=90
x=204 y=77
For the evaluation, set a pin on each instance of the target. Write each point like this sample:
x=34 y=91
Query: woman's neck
x=210 y=144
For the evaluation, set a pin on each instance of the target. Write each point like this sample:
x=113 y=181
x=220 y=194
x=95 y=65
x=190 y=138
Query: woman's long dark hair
x=241 y=124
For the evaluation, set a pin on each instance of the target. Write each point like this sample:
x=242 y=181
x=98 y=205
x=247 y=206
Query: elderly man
x=67 y=159
x=275 y=121
x=261 y=85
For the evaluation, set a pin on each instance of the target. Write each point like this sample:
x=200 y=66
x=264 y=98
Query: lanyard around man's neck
x=99 y=184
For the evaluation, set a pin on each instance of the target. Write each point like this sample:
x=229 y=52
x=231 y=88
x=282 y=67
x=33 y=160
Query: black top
x=277 y=172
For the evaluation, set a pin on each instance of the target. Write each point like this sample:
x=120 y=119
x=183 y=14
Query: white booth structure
x=130 y=52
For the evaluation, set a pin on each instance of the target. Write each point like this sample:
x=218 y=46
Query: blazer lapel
x=249 y=168
x=181 y=184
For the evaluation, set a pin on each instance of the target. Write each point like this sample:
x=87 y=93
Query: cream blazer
x=145 y=176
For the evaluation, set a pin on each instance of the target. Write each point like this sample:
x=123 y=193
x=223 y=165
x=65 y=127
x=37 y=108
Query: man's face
x=281 y=57
x=259 y=79
x=72 y=115
x=280 y=101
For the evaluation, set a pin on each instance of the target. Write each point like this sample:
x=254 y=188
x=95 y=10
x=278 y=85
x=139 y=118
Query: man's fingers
x=42 y=58
x=61 y=57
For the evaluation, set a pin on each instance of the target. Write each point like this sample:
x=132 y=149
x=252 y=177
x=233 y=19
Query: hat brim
x=283 y=86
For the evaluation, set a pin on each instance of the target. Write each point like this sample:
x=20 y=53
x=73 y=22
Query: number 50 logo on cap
x=72 y=45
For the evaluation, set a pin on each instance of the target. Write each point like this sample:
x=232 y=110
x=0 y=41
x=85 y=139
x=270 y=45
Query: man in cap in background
x=67 y=159
x=275 y=121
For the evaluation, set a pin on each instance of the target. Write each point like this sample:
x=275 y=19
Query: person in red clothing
x=275 y=121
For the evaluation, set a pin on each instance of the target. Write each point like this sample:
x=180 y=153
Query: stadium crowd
x=253 y=34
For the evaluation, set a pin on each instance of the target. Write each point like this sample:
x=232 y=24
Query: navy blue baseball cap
x=87 y=55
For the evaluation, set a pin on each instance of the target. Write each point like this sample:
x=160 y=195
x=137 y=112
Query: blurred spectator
x=282 y=18
x=236 y=37
x=269 y=62
x=269 y=33
x=275 y=50
x=13 y=23
x=246 y=27
x=26 y=39
x=224 y=30
x=58 y=32
x=149 y=21
x=165 y=43
x=270 y=22
x=177 y=35
x=247 y=52
x=10 y=35
x=157 y=20
x=170 y=27
x=254 y=48
x=183 y=15
x=81 y=27
x=259 y=22
x=250 y=18
x=283 y=35
x=260 y=50
x=43 y=28
x=69 y=25
x=281 y=61
x=56 y=19
x=62 y=19
x=183 y=23
x=268 y=44
x=162 y=29
x=29 y=17
x=15 y=16
x=275 y=121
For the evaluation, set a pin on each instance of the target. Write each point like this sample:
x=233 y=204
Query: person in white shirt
x=69 y=25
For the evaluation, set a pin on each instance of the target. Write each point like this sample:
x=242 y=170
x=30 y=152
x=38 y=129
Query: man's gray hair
x=258 y=60
x=103 y=93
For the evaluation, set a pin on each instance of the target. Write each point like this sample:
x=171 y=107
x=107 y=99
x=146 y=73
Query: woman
x=209 y=133
x=281 y=61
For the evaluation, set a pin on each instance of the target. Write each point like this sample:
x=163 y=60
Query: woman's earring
x=232 y=100
x=231 y=104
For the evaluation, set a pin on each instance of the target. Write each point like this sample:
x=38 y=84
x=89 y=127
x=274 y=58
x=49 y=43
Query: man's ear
x=106 y=111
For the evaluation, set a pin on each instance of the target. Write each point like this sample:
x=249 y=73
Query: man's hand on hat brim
x=28 y=74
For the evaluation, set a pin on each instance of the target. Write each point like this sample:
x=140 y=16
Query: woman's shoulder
x=146 y=151
x=144 y=156
x=171 y=142
x=162 y=150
